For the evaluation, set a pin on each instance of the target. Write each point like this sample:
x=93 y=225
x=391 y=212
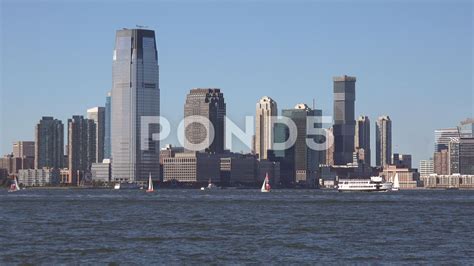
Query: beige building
x=441 y=162
x=39 y=177
x=266 y=109
x=407 y=178
x=448 y=181
x=191 y=167
x=24 y=149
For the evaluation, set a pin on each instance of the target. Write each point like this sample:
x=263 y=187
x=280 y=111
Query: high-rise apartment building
x=135 y=99
x=266 y=110
x=362 y=137
x=81 y=147
x=383 y=141
x=49 y=143
x=208 y=103
x=453 y=159
x=441 y=162
x=97 y=114
x=344 y=120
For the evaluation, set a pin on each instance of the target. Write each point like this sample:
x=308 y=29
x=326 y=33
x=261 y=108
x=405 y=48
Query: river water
x=236 y=226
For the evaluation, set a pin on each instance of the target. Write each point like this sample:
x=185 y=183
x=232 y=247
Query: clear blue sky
x=413 y=61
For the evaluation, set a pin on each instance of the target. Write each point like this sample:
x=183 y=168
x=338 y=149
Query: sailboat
x=396 y=183
x=14 y=187
x=266 y=184
x=150 y=185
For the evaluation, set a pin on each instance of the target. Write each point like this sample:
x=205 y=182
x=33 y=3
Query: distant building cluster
x=115 y=142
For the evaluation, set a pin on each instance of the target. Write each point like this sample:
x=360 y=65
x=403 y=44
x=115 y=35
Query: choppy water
x=236 y=226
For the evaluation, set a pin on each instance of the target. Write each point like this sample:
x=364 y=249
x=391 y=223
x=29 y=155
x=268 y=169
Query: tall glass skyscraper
x=344 y=119
x=108 y=113
x=136 y=94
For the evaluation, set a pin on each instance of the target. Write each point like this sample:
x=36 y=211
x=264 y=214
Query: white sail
x=396 y=182
x=150 y=183
x=17 y=187
x=263 y=186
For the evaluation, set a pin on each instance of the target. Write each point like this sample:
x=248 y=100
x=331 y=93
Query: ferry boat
x=374 y=184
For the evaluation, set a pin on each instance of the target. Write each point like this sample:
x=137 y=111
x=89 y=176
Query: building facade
x=407 y=178
x=344 y=119
x=448 y=181
x=453 y=159
x=443 y=137
x=266 y=110
x=102 y=172
x=426 y=167
x=97 y=114
x=39 y=177
x=466 y=156
x=208 y=103
x=24 y=149
x=49 y=143
x=305 y=160
x=107 y=126
x=441 y=162
x=191 y=167
x=402 y=160
x=135 y=98
x=81 y=147
x=383 y=141
x=362 y=138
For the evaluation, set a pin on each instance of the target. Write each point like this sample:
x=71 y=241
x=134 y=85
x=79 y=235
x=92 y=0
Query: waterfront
x=229 y=226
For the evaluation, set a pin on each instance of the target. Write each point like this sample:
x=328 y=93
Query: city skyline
x=315 y=86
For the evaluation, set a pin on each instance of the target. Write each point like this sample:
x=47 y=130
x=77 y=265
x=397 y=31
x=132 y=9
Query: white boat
x=14 y=187
x=126 y=185
x=266 y=184
x=396 y=183
x=374 y=184
x=210 y=186
x=150 y=185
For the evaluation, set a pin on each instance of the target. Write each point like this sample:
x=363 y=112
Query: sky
x=413 y=59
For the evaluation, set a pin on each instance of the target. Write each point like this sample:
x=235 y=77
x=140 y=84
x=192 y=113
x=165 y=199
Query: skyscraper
x=49 y=143
x=306 y=160
x=97 y=114
x=383 y=139
x=23 y=149
x=362 y=137
x=136 y=94
x=443 y=137
x=344 y=121
x=81 y=147
x=107 y=127
x=208 y=103
x=466 y=156
x=466 y=129
x=266 y=109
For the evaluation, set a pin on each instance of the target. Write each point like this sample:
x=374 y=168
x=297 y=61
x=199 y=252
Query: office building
x=135 y=99
x=329 y=160
x=24 y=149
x=49 y=143
x=107 y=126
x=426 y=167
x=191 y=167
x=383 y=141
x=362 y=138
x=208 y=103
x=306 y=160
x=441 y=162
x=443 y=137
x=453 y=159
x=14 y=164
x=39 y=177
x=401 y=160
x=97 y=114
x=466 y=156
x=81 y=147
x=102 y=172
x=454 y=181
x=266 y=111
x=466 y=129
x=344 y=120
